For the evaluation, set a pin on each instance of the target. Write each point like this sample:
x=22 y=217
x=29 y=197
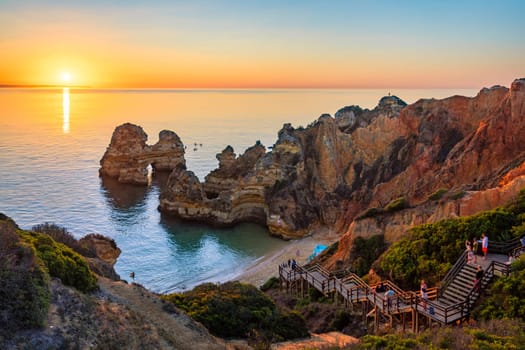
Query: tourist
x=294 y=264
x=479 y=277
x=424 y=294
x=468 y=245
x=522 y=240
x=388 y=296
x=475 y=246
x=510 y=260
x=470 y=256
x=484 y=245
x=380 y=288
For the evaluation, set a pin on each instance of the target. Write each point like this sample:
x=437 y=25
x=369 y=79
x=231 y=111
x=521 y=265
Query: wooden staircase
x=460 y=286
x=452 y=302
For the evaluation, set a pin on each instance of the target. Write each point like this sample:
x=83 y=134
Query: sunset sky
x=262 y=44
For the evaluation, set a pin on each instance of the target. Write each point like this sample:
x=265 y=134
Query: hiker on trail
x=479 y=277
x=484 y=245
x=424 y=294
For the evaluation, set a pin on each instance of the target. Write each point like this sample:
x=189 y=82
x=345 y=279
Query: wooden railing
x=504 y=247
x=516 y=252
x=451 y=274
x=353 y=289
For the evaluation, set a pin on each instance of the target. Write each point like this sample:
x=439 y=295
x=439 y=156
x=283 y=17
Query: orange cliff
x=331 y=172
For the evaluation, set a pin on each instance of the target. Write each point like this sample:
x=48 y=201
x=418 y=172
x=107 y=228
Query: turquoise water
x=51 y=142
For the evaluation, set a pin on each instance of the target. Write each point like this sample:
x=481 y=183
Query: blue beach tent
x=317 y=250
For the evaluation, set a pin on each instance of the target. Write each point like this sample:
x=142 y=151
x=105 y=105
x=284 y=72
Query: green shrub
x=457 y=195
x=430 y=250
x=272 y=283
x=397 y=204
x=507 y=296
x=341 y=320
x=61 y=261
x=234 y=309
x=62 y=235
x=365 y=252
x=24 y=286
x=517 y=206
x=437 y=194
x=370 y=213
x=500 y=334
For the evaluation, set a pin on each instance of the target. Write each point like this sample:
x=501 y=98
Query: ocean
x=51 y=142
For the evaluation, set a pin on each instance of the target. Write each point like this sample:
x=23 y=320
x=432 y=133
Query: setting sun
x=66 y=77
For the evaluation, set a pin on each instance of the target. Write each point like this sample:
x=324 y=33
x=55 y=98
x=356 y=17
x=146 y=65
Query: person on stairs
x=479 y=277
x=424 y=294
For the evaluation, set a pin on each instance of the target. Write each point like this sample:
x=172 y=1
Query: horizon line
x=87 y=87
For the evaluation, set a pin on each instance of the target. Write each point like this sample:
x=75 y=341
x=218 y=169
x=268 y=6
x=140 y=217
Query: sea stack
x=128 y=156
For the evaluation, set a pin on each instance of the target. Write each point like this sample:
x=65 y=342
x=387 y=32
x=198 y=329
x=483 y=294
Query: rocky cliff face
x=336 y=169
x=471 y=149
x=128 y=156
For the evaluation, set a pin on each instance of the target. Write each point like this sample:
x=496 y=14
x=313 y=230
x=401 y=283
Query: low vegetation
x=438 y=194
x=365 y=252
x=430 y=250
x=396 y=205
x=61 y=261
x=24 y=287
x=237 y=310
x=498 y=335
x=506 y=297
x=62 y=235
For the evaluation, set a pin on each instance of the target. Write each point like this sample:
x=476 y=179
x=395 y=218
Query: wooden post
x=376 y=320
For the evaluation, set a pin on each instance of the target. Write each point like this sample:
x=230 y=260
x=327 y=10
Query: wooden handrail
x=504 y=247
x=360 y=289
x=453 y=271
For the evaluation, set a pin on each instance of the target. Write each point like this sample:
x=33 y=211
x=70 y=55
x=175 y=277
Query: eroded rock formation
x=128 y=156
x=336 y=169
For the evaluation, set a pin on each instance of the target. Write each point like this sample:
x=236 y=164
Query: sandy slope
x=177 y=329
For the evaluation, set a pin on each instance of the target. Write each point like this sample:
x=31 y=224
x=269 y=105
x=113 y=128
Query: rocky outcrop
x=103 y=254
x=304 y=182
x=128 y=156
x=336 y=169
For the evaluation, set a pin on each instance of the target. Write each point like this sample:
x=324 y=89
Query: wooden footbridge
x=449 y=303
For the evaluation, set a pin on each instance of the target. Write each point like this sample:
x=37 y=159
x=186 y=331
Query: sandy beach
x=300 y=249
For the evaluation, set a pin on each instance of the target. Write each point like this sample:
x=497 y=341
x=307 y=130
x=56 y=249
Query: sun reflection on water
x=65 y=110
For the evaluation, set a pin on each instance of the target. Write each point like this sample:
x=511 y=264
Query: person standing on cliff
x=484 y=245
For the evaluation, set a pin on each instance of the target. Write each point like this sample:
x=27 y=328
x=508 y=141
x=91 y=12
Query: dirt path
x=178 y=331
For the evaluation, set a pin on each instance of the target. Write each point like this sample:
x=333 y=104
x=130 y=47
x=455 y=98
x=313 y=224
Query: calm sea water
x=51 y=142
